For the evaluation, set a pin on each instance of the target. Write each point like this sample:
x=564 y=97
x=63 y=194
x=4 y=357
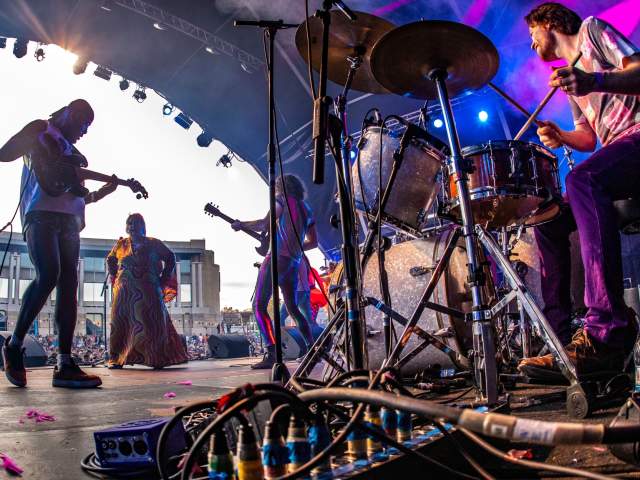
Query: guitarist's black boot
x=267 y=361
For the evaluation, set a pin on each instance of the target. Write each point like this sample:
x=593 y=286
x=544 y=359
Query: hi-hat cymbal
x=346 y=39
x=402 y=59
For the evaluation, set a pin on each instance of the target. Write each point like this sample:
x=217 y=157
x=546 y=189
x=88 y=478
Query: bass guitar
x=263 y=238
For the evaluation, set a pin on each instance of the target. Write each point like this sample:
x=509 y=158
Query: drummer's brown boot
x=589 y=358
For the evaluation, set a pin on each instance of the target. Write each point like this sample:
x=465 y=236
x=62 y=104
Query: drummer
x=603 y=92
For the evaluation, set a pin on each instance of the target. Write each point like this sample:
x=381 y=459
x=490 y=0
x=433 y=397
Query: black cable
x=573 y=472
x=91 y=466
x=468 y=457
x=312 y=83
x=13 y=217
x=284 y=188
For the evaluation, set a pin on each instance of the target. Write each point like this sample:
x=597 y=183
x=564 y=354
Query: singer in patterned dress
x=143 y=276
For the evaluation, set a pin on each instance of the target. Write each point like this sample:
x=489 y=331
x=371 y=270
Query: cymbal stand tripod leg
x=484 y=349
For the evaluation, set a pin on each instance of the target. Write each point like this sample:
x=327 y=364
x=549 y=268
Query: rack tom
x=511 y=183
x=416 y=184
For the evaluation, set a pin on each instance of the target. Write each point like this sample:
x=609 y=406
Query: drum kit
x=432 y=300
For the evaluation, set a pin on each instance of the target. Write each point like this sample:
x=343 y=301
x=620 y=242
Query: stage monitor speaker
x=35 y=356
x=228 y=346
x=293 y=342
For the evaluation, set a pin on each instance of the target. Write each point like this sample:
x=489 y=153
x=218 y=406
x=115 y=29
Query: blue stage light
x=483 y=116
x=437 y=123
x=353 y=154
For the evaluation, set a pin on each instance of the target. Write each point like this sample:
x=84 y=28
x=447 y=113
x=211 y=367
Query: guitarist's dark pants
x=53 y=240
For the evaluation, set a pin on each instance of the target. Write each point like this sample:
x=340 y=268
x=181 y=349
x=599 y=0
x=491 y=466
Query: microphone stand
x=279 y=372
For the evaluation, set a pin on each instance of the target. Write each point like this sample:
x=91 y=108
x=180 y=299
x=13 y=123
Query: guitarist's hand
x=110 y=187
x=237 y=225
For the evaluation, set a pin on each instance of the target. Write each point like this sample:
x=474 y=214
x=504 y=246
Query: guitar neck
x=100 y=177
x=248 y=231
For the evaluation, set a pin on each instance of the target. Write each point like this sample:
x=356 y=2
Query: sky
x=136 y=140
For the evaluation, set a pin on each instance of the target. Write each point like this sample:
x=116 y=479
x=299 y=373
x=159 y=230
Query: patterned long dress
x=141 y=328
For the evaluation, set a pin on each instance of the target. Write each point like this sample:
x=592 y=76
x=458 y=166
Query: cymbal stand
x=484 y=351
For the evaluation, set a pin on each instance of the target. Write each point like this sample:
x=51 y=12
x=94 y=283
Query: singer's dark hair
x=136 y=216
x=79 y=107
x=556 y=17
x=294 y=186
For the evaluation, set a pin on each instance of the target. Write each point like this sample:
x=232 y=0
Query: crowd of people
x=90 y=350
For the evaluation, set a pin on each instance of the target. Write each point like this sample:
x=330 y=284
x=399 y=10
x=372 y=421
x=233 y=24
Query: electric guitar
x=66 y=174
x=263 y=238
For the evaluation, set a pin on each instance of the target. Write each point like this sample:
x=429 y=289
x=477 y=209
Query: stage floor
x=53 y=450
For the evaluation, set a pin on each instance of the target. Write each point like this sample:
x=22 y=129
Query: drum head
x=406 y=289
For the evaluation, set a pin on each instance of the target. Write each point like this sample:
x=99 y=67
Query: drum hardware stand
x=577 y=397
x=324 y=124
x=568 y=156
x=279 y=373
x=484 y=350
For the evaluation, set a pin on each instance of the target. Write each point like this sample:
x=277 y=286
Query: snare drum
x=512 y=183
x=416 y=184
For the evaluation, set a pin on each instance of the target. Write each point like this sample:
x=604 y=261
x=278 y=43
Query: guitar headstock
x=136 y=187
x=211 y=209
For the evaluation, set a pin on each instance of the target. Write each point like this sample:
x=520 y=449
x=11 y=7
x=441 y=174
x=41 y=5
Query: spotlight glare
x=353 y=154
x=80 y=65
x=437 y=123
x=483 y=116
x=184 y=121
x=102 y=72
x=159 y=26
x=167 y=109
x=140 y=94
x=20 y=47
x=211 y=50
x=204 y=139
x=124 y=84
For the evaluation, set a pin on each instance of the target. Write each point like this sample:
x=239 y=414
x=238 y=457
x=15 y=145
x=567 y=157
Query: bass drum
x=409 y=266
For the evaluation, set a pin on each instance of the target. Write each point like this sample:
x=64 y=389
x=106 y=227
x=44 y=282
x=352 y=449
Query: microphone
x=264 y=24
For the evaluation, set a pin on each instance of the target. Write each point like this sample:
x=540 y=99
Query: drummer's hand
x=573 y=81
x=550 y=134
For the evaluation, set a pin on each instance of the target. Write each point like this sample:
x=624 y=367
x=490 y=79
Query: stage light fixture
x=20 y=47
x=102 y=72
x=483 y=116
x=204 y=139
x=437 y=123
x=159 y=26
x=353 y=154
x=80 y=66
x=39 y=53
x=3 y=42
x=140 y=94
x=124 y=84
x=225 y=160
x=184 y=121
x=211 y=50
x=167 y=109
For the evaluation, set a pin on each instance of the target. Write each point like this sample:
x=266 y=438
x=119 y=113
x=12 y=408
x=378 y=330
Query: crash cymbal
x=402 y=59
x=346 y=39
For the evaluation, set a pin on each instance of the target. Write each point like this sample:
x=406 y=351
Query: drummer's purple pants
x=612 y=173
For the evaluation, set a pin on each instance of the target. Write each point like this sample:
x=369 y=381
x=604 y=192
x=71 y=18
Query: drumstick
x=543 y=103
x=513 y=102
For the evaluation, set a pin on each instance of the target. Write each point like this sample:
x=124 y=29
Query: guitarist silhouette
x=51 y=226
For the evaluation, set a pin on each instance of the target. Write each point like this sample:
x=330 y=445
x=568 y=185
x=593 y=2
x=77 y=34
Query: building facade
x=195 y=310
